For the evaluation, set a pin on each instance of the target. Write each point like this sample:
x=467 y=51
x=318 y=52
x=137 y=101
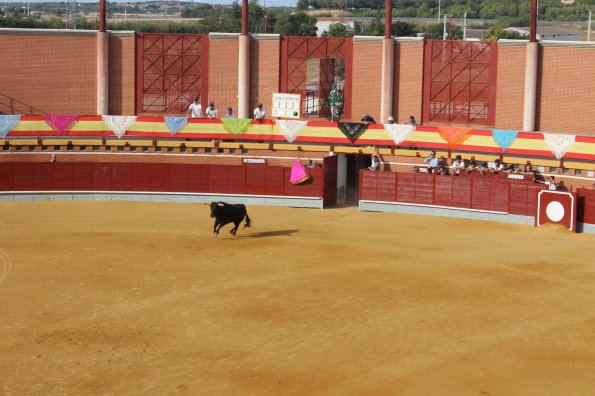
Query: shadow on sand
x=266 y=234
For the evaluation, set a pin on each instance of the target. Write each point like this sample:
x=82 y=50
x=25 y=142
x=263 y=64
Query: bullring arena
x=141 y=298
x=351 y=280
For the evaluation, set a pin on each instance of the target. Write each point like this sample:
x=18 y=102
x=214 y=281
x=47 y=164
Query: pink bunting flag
x=61 y=122
x=299 y=174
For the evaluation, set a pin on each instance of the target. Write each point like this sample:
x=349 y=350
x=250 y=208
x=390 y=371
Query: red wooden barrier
x=490 y=193
x=161 y=177
x=586 y=206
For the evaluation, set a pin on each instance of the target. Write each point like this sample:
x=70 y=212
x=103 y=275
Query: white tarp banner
x=291 y=129
x=399 y=132
x=119 y=124
x=559 y=144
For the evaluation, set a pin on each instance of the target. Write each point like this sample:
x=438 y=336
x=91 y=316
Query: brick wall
x=566 y=89
x=223 y=71
x=367 y=77
x=264 y=70
x=121 y=74
x=48 y=72
x=510 y=86
x=408 y=79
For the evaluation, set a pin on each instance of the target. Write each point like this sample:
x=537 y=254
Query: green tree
x=496 y=34
x=339 y=30
x=296 y=24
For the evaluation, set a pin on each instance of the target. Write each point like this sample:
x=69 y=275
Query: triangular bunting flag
x=399 y=132
x=299 y=174
x=7 y=123
x=61 y=122
x=119 y=124
x=175 y=124
x=454 y=136
x=236 y=126
x=559 y=144
x=291 y=129
x=504 y=137
x=352 y=130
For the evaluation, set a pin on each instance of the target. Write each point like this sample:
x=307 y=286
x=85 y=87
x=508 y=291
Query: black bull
x=225 y=213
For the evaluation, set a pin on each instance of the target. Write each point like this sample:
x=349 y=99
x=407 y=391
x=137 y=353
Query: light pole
x=589 y=28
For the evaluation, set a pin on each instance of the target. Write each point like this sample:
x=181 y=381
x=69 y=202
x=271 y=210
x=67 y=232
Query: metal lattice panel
x=314 y=80
x=460 y=81
x=170 y=68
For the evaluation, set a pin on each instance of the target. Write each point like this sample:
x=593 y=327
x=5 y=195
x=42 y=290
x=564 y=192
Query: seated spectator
x=528 y=167
x=498 y=166
x=310 y=164
x=411 y=121
x=375 y=163
x=483 y=168
x=472 y=166
x=510 y=169
x=442 y=171
x=367 y=118
x=457 y=165
x=432 y=161
x=550 y=181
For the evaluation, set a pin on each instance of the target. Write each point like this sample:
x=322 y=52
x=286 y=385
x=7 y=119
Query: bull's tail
x=247 y=224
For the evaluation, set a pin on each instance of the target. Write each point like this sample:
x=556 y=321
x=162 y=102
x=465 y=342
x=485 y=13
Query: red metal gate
x=334 y=66
x=171 y=70
x=460 y=81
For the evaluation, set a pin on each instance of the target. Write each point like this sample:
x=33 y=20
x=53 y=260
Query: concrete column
x=386 y=90
x=102 y=72
x=531 y=62
x=244 y=77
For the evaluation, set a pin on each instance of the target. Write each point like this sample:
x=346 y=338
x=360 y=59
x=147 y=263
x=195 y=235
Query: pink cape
x=299 y=174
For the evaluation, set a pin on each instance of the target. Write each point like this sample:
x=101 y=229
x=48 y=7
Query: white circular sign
x=554 y=211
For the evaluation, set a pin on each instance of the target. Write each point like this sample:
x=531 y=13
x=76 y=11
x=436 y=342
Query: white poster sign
x=286 y=105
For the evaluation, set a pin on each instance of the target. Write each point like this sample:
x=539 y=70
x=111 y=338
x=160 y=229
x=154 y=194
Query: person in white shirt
x=259 y=112
x=497 y=167
x=457 y=165
x=195 y=109
x=212 y=112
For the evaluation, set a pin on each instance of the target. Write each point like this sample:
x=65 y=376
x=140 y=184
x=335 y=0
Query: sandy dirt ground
x=129 y=298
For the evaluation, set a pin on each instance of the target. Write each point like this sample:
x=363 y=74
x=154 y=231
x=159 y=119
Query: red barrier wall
x=585 y=210
x=490 y=193
x=192 y=178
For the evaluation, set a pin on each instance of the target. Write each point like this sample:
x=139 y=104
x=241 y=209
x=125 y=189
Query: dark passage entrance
x=355 y=162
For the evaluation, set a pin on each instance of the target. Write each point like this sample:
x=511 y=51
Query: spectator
x=510 y=169
x=367 y=118
x=229 y=113
x=472 y=166
x=483 y=168
x=411 y=121
x=195 y=109
x=432 y=162
x=375 y=163
x=528 y=167
x=310 y=164
x=391 y=120
x=212 y=112
x=259 y=112
x=442 y=171
x=550 y=181
x=334 y=102
x=457 y=165
x=497 y=167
